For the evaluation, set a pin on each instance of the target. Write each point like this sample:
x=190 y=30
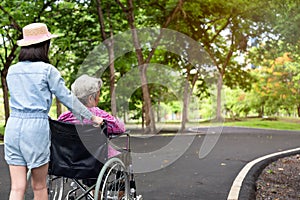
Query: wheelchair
x=79 y=167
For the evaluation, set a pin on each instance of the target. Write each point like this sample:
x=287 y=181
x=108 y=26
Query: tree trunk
x=143 y=116
x=185 y=105
x=112 y=68
x=261 y=111
x=288 y=112
x=219 y=97
x=186 y=99
x=124 y=117
x=4 y=72
x=158 y=111
x=5 y=94
x=58 y=108
x=298 y=110
x=112 y=79
x=110 y=47
x=149 y=116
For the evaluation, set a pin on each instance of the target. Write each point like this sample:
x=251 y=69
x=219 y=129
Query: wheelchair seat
x=77 y=151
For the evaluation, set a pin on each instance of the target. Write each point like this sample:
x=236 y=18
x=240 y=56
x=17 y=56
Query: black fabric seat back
x=77 y=151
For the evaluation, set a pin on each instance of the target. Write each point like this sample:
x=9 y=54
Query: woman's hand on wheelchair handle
x=97 y=120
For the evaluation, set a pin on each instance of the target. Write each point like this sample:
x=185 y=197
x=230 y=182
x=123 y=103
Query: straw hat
x=35 y=33
x=86 y=85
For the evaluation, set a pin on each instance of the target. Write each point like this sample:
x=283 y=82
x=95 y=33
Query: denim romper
x=31 y=86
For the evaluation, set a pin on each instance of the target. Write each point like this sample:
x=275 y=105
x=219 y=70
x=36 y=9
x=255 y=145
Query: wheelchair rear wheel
x=115 y=181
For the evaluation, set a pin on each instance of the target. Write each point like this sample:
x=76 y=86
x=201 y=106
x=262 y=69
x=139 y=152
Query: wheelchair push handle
x=102 y=125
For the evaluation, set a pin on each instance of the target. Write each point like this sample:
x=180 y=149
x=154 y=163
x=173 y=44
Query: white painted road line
x=237 y=183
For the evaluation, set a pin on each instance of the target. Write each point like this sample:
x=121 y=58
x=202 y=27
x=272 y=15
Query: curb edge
x=243 y=186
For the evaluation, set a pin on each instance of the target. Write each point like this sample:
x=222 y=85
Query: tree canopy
x=251 y=48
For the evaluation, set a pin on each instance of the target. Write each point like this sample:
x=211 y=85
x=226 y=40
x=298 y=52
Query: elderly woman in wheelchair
x=80 y=168
x=83 y=165
x=87 y=90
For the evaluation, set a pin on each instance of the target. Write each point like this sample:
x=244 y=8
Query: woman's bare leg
x=18 y=182
x=38 y=182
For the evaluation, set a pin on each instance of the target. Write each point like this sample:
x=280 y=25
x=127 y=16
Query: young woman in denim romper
x=32 y=82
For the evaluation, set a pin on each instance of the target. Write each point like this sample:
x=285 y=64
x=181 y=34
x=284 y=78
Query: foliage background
x=253 y=45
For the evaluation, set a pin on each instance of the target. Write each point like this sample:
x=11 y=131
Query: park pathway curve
x=189 y=177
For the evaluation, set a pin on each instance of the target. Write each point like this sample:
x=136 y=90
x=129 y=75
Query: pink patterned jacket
x=113 y=124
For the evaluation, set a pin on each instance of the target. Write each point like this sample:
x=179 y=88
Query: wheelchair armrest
x=117 y=135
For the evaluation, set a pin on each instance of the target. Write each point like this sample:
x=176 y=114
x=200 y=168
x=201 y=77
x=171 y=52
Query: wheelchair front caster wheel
x=71 y=198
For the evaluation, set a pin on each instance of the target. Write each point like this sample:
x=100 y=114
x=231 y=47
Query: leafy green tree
x=237 y=103
x=282 y=83
x=108 y=27
x=280 y=74
x=70 y=19
x=130 y=10
x=12 y=21
x=224 y=28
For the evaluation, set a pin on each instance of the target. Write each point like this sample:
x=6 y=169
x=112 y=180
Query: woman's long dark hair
x=35 y=52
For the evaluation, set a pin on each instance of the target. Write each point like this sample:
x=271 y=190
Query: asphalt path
x=188 y=176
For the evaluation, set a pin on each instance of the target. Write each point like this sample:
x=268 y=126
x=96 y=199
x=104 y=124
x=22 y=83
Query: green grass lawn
x=280 y=123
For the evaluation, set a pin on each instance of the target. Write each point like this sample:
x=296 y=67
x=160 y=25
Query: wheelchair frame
x=115 y=181
x=108 y=185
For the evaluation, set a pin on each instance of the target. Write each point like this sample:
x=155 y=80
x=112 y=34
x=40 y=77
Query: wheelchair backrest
x=77 y=151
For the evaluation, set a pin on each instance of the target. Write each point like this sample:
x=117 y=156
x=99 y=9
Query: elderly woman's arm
x=113 y=124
